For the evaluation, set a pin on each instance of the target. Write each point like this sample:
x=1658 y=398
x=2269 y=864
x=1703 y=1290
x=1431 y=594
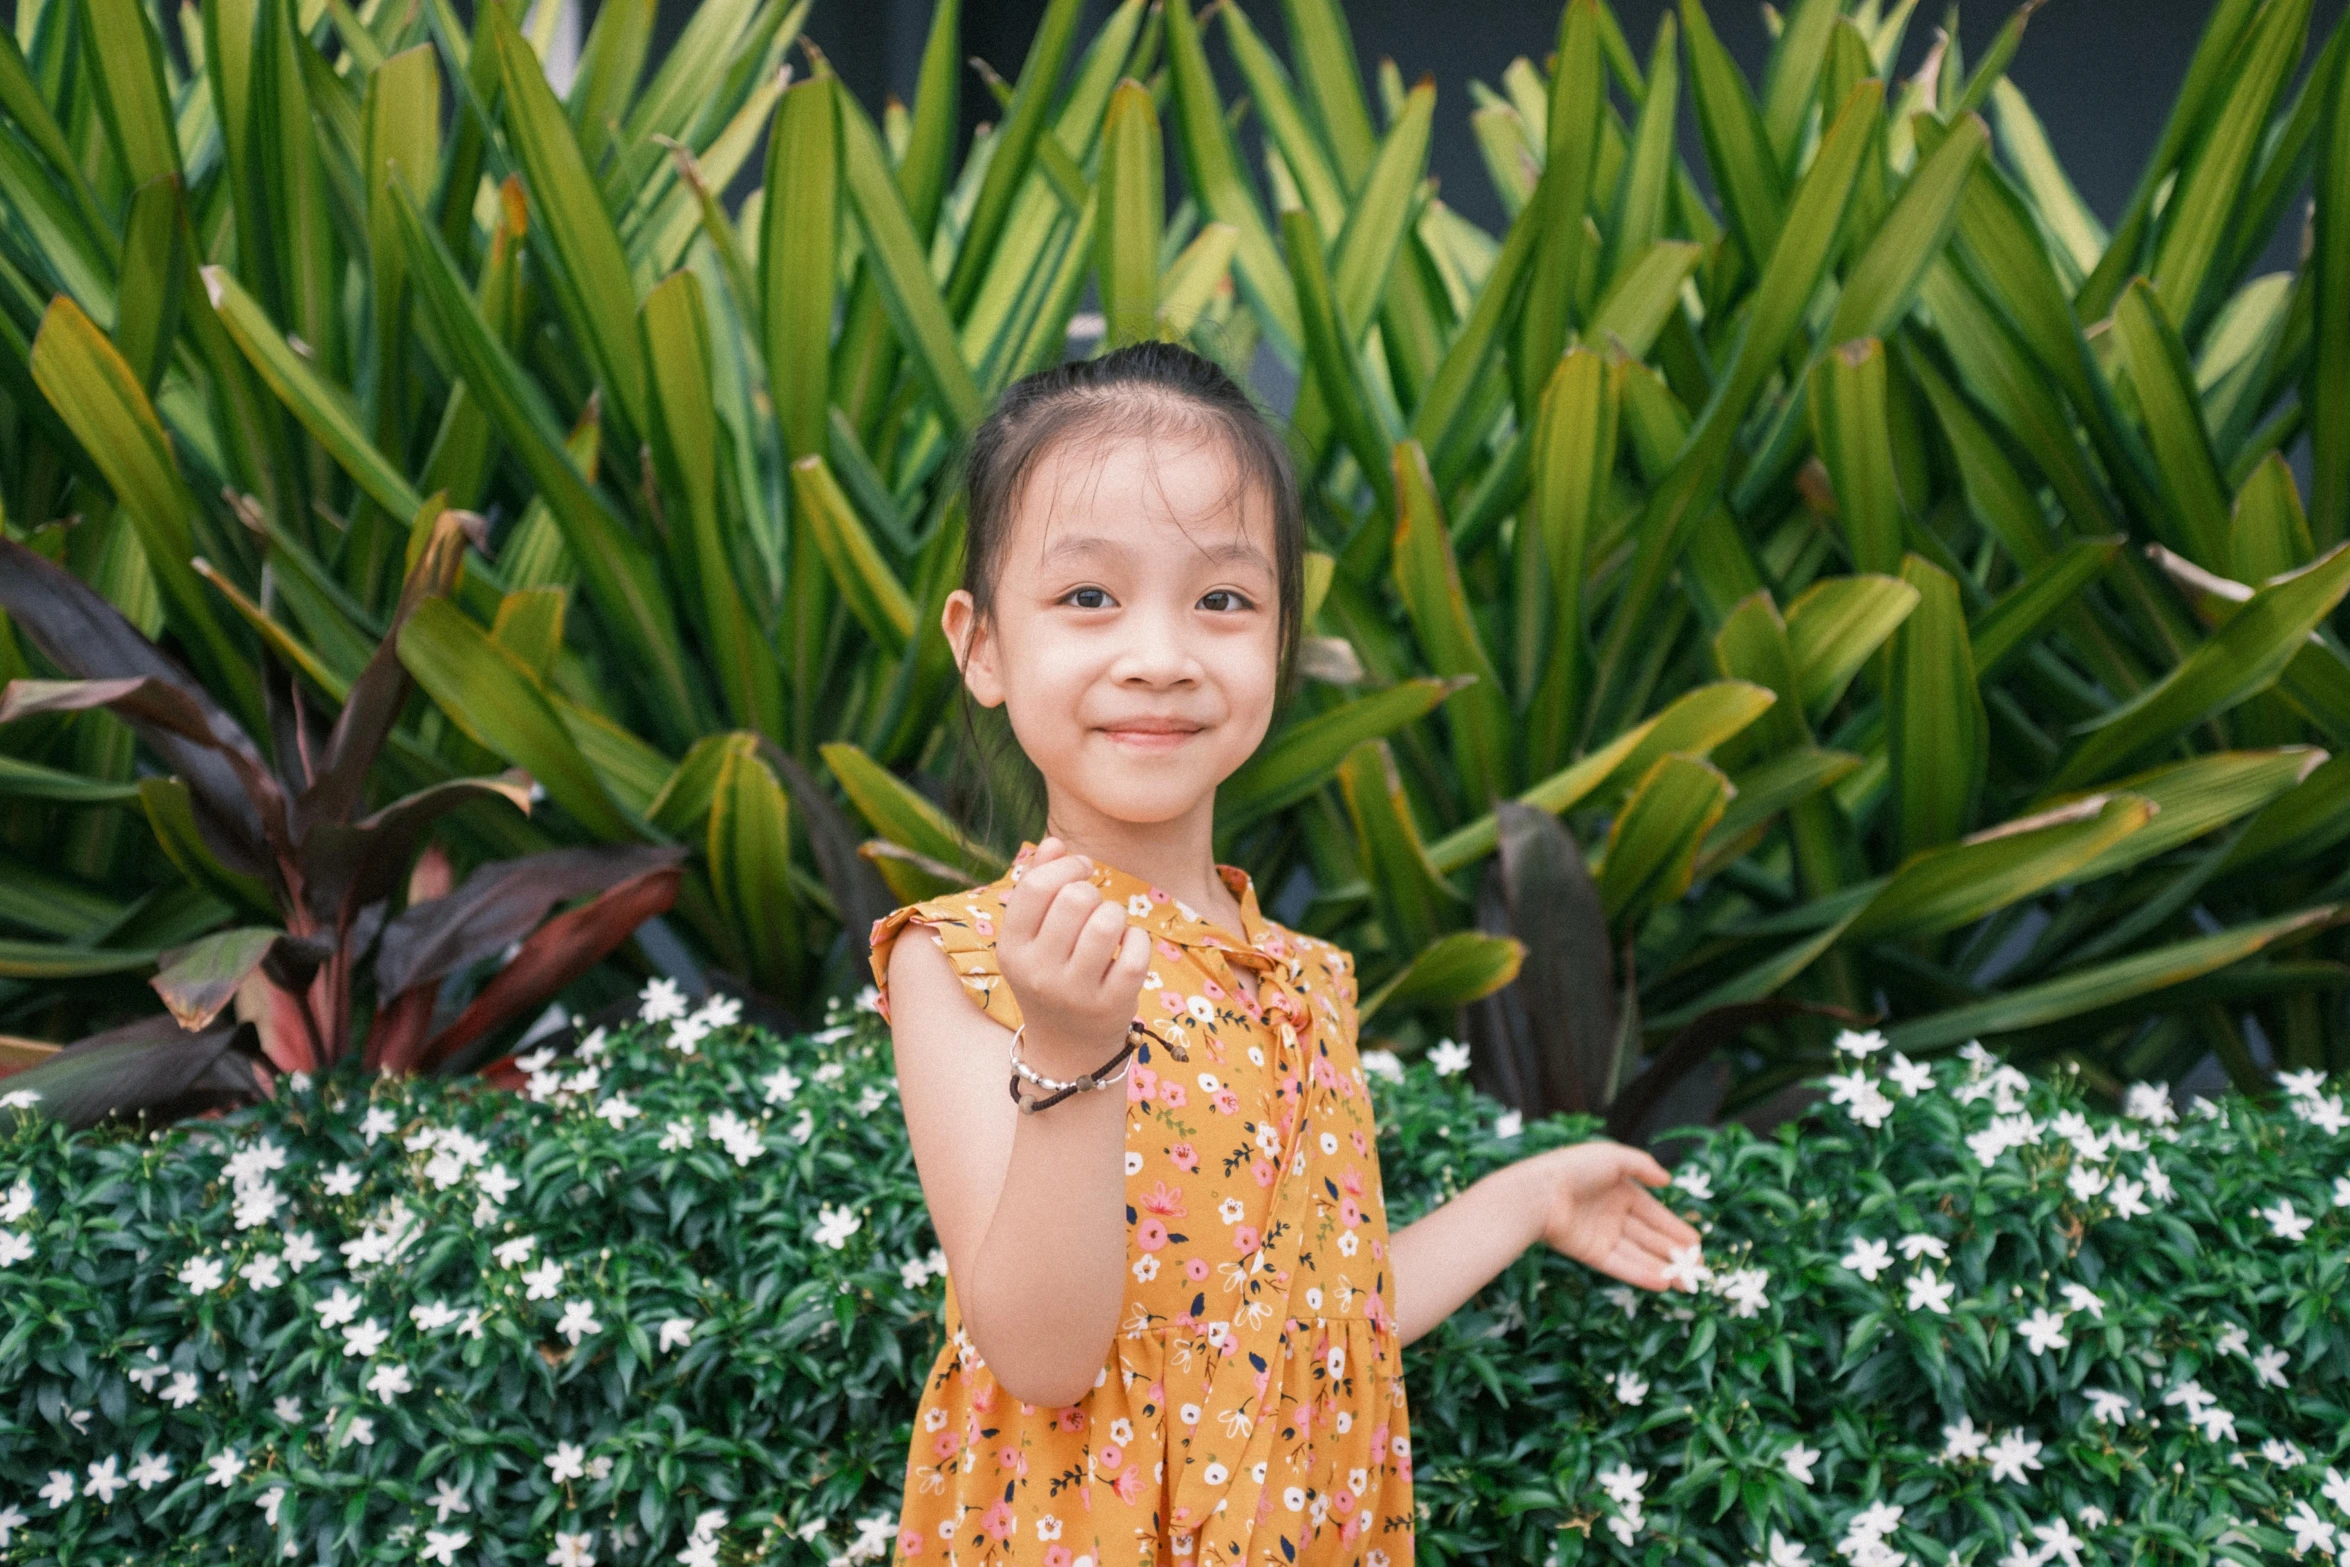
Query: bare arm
x=1030 y=1209
x=1580 y=1200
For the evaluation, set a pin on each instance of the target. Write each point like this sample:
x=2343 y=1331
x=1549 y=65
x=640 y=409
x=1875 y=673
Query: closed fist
x=1074 y=964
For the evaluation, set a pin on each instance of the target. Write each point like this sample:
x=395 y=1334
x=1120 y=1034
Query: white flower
x=1963 y=1440
x=571 y=1550
x=225 y=1466
x=2061 y=1542
x=721 y=1012
x=543 y=1282
x=148 y=1375
x=12 y=1518
x=1623 y=1483
x=1915 y=1246
x=2342 y=1191
x=18 y=1202
x=1868 y=1258
x=1695 y=1182
x=2044 y=1331
x=1449 y=1056
x=2310 y=1532
x=2268 y=1369
x=431 y=1316
x=618 y=1111
x=2082 y=1298
x=1852 y=1043
x=20 y=1099
x=151 y=1470
x=1797 y=1461
x=578 y=1321
x=2191 y=1394
x=592 y=1048
x=2281 y=1452
x=510 y=1253
x=677 y=1134
x=184 y=1390
x=2327 y=1114
x=302 y=1250
x=567 y=1462
x=1930 y=1293
x=1631 y=1388
x=363 y=1339
x=105 y=1478
x=1387 y=1064
x=1509 y=1124
x=2233 y=1340
x=1911 y=1077
x=835 y=1226
x=781 y=1084
x=1615 y=1294
x=676 y=1333
x=2216 y=1423
x=868 y=1000
x=2011 y=1455
x=261 y=1273
x=2086 y=1181
x=2284 y=1223
x=2337 y=1488
x=340 y=1307
x=59 y=1490
x=2157 y=1183
x=2149 y=1102
x=1688 y=1268
x=15 y=1247
x=2128 y=1198
x=443 y=1548
x=268 y=1502
x=448 y=1499
x=686 y=1035
x=341 y=1181
x=1743 y=1288
x=288 y=1410
x=2305 y=1084
x=660 y=1001
x=202 y=1275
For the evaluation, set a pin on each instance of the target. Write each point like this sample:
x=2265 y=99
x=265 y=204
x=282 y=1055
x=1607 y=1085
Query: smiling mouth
x=1150 y=734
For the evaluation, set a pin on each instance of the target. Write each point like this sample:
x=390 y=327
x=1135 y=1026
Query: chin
x=1149 y=798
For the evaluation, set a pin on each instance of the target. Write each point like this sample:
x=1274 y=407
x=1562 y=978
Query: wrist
x=1058 y=1053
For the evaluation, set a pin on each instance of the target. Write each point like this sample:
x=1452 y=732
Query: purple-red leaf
x=152 y=1065
x=197 y=980
x=561 y=950
x=498 y=905
x=347 y=866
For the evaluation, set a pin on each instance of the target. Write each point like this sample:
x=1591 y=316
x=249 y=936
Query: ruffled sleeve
x=963 y=926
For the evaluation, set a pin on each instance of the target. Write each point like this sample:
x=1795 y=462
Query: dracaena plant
x=293 y=836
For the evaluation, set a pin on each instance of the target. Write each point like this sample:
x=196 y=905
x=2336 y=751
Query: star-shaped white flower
x=1851 y=1042
x=1915 y=1246
x=104 y=1478
x=2128 y=1198
x=543 y=1282
x=572 y=1550
x=12 y=1518
x=835 y=1226
x=151 y=1470
x=1962 y=1440
x=448 y=1498
x=2061 y=1541
x=362 y=1339
x=1868 y=1258
x=676 y=1333
x=2268 y=1368
x=389 y=1380
x=578 y=1321
x=2310 y=1532
x=59 y=1490
x=431 y=1316
x=510 y=1253
x=1797 y=1460
x=1630 y=1387
x=2082 y=1298
x=443 y=1548
x=185 y=1389
x=1687 y=1268
x=224 y=1467
x=1783 y=1552
x=1928 y=1293
x=660 y=1001
x=2284 y=1223
x=340 y=1307
x=567 y=1462
x=2011 y=1455
x=1911 y=1077
x=618 y=1111
x=2044 y=1330
x=341 y=1181
x=202 y=1275
x=1448 y=1057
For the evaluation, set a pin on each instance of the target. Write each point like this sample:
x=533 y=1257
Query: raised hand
x=1598 y=1213
x=1074 y=964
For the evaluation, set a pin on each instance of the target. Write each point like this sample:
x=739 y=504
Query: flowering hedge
x=674 y=1304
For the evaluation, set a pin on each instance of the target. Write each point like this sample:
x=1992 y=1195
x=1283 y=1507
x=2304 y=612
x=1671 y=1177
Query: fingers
x=1636 y=1266
x=1665 y=1219
x=1132 y=962
x=1097 y=942
x=1641 y=1165
x=1031 y=903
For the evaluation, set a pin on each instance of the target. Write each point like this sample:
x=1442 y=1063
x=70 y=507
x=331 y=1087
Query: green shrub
x=790 y=1238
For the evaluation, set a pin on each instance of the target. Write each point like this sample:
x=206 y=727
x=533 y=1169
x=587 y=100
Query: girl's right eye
x=1086 y=598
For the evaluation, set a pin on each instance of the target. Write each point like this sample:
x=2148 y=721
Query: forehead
x=1180 y=487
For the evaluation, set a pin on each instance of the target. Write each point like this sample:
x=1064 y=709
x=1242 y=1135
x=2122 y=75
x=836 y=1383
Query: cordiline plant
x=292 y=839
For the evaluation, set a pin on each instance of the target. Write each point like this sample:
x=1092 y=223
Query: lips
x=1150 y=734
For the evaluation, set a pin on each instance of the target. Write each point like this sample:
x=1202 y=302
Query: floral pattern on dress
x=1252 y=1410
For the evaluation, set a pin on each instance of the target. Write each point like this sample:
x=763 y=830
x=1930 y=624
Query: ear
x=974 y=649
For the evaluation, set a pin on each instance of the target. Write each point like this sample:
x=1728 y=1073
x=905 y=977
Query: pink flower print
x=1244 y=1238
x=1262 y=1170
x=1342 y=1501
x=983 y=1396
x=1150 y=1234
x=983 y=925
x=998 y=1522
x=1128 y=1485
x=1354 y=1526
x=1378 y=1250
x=1164 y=1200
x=1212 y=990
x=1276 y=945
x=1057 y=1556
x=1196 y=1269
x=945 y=1445
x=1362 y=1144
x=1185 y=1158
x=1159 y=895
x=1352 y=1180
x=1172 y=1095
x=1139 y=1083
x=1170 y=1000
x=1379 y=1440
x=910 y=1542
x=1071 y=1418
x=1264 y=1504
x=1226 y=1101
x=1010 y=1460
x=1111 y=1457
x=1168 y=950
x=1349 y=1214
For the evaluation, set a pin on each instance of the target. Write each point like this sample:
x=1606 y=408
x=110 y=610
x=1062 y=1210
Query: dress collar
x=1171 y=919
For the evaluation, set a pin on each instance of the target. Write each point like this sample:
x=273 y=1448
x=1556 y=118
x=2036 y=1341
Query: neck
x=1177 y=854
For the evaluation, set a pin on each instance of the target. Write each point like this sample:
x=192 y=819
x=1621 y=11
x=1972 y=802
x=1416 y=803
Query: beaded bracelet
x=1062 y=1090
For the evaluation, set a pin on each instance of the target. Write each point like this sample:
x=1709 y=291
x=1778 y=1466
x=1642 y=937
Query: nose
x=1155 y=649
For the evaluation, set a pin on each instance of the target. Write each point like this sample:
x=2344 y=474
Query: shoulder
x=963 y=926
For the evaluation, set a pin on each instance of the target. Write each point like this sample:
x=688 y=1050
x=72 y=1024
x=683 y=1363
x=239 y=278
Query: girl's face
x=1135 y=637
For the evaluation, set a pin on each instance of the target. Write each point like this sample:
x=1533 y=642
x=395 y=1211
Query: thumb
x=1642 y=1165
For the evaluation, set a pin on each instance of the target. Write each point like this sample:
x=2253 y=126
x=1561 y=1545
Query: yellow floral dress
x=1252 y=1409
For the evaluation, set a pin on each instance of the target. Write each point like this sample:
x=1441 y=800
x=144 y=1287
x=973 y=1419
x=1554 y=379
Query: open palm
x=1599 y=1213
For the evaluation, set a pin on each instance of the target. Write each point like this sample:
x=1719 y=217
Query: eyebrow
x=1094 y=546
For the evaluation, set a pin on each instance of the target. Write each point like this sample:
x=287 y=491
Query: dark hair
x=1135 y=390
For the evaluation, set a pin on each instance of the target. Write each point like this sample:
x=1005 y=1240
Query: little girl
x=1174 y=1314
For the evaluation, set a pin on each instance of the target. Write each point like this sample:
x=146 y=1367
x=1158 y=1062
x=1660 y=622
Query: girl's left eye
x=1086 y=598
x=1223 y=599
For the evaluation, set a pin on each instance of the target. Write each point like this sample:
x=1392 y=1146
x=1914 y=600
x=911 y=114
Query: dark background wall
x=2100 y=73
